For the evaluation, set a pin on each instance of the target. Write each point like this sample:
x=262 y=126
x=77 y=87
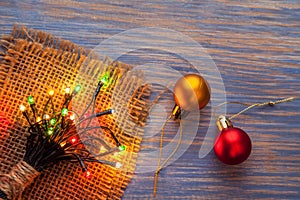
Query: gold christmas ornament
x=190 y=91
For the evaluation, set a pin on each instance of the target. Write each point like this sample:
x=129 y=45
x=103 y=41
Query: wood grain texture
x=256 y=47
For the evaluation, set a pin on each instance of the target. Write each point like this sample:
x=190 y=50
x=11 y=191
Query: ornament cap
x=176 y=112
x=223 y=122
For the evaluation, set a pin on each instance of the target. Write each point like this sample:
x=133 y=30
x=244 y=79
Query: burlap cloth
x=32 y=62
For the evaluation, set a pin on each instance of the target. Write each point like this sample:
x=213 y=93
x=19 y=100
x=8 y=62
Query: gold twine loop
x=17 y=180
x=159 y=165
x=270 y=103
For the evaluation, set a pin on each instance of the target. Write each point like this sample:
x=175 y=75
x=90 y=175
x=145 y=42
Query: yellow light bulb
x=63 y=144
x=68 y=90
x=46 y=117
x=102 y=149
x=118 y=165
x=22 y=108
x=51 y=92
x=72 y=117
x=38 y=119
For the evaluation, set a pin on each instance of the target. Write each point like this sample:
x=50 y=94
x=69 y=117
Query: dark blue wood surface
x=256 y=47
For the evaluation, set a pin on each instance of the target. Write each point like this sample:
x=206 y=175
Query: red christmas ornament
x=233 y=146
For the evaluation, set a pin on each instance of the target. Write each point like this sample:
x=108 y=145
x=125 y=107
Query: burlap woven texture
x=32 y=62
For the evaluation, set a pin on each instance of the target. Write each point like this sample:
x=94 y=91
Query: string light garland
x=56 y=136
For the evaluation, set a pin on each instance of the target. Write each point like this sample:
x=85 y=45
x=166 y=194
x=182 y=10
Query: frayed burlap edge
x=64 y=180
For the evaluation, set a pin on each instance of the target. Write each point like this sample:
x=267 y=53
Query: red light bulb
x=73 y=140
x=88 y=174
x=71 y=116
x=233 y=146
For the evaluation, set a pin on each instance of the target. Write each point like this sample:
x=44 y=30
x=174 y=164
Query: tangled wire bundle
x=58 y=136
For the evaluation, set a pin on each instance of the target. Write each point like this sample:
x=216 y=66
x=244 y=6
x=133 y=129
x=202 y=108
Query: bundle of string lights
x=57 y=136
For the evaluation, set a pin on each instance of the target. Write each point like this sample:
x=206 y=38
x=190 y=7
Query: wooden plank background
x=255 y=46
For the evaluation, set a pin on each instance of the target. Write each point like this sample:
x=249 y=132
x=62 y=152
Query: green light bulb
x=50 y=131
x=64 y=112
x=105 y=78
x=122 y=148
x=52 y=121
x=77 y=88
x=30 y=100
